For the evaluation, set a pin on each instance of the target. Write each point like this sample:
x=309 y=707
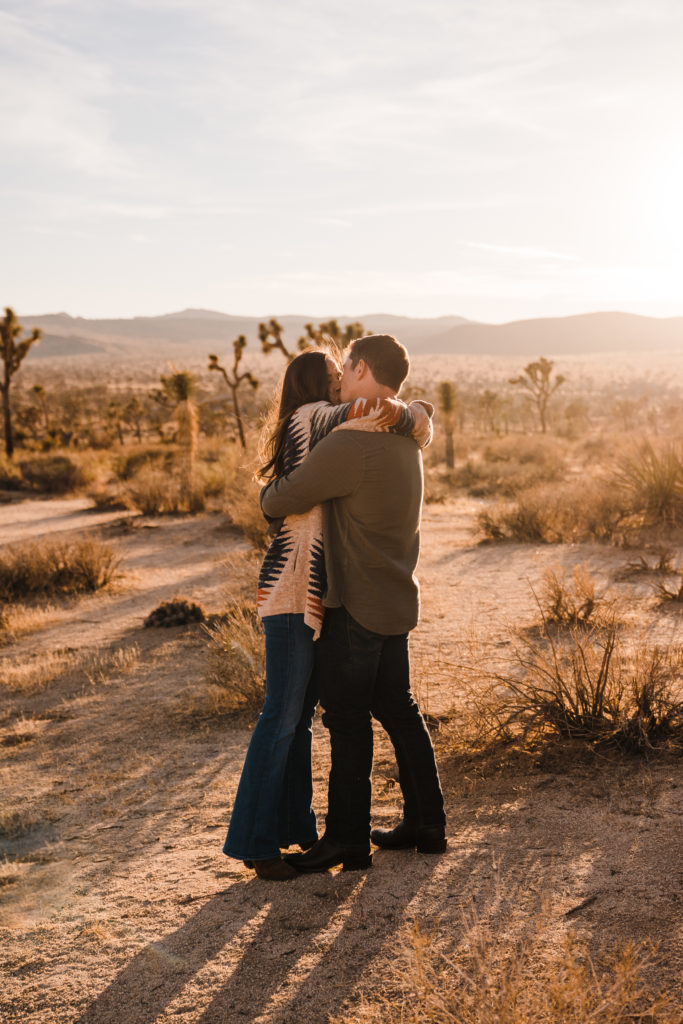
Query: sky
x=493 y=159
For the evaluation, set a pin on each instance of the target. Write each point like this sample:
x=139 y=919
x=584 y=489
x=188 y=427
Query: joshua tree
x=12 y=350
x=39 y=391
x=233 y=378
x=134 y=414
x=537 y=380
x=330 y=335
x=447 y=402
x=179 y=389
x=489 y=406
x=273 y=330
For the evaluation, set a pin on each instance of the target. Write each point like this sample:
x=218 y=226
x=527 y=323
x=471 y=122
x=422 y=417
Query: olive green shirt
x=371 y=486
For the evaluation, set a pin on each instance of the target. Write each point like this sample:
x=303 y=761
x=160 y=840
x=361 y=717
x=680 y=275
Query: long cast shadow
x=290 y=940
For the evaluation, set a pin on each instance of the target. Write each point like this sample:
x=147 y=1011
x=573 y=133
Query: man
x=371 y=484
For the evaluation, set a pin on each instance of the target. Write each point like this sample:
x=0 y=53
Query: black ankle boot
x=327 y=854
x=426 y=839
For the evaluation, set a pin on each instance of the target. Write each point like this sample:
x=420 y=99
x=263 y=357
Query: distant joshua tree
x=330 y=335
x=447 y=400
x=537 y=380
x=179 y=389
x=233 y=378
x=273 y=330
x=13 y=350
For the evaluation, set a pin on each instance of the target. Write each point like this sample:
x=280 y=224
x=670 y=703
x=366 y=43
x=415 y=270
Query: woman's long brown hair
x=305 y=381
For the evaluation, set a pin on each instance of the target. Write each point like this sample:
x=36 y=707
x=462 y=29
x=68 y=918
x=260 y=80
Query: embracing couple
x=338 y=597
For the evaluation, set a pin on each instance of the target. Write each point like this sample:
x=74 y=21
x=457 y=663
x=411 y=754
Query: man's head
x=375 y=367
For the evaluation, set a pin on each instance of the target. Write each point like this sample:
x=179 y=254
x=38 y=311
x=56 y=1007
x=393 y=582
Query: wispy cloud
x=522 y=251
x=50 y=102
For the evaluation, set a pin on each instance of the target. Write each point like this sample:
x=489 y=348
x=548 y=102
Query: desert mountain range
x=198 y=331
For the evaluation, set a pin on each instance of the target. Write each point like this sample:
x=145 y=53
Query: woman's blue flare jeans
x=273 y=807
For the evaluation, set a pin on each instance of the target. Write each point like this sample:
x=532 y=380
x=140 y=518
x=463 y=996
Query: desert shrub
x=55 y=473
x=652 y=480
x=49 y=567
x=642 y=566
x=568 y=600
x=128 y=465
x=569 y=512
x=10 y=474
x=489 y=977
x=237 y=659
x=157 y=490
x=154 y=492
x=539 y=451
x=178 y=612
x=665 y=594
x=590 y=686
x=243 y=508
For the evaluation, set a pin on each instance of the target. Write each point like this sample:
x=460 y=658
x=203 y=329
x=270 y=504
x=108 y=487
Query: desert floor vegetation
x=121 y=750
x=549 y=668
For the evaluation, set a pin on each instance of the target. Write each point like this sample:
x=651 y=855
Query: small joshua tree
x=537 y=380
x=13 y=350
x=234 y=378
x=446 y=396
x=273 y=330
x=179 y=389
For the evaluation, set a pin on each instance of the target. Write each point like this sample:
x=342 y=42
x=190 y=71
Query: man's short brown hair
x=387 y=358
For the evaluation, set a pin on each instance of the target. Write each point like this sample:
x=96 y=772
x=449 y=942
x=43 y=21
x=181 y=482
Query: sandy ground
x=117 y=904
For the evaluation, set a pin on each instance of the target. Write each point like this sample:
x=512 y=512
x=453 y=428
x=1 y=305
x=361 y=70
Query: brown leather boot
x=274 y=869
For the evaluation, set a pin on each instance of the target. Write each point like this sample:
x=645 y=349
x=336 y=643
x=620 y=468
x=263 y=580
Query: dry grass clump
x=551 y=515
x=129 y=464
x=178 y=612
x=237 y=660
x=154 y=492
x=568 y=600
x=489 y=978
x=592 y=687
x=642 y=566
x=243 y=508
x=666 y=595
x=652 y=479
x=156 y=489
x=16 y=822
x=67 y=665
x=504 y=467
x=49 y=567
x=56 y=473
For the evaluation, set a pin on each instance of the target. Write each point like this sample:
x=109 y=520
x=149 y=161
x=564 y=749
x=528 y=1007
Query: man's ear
x=360 y=369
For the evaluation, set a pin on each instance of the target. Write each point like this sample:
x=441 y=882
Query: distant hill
x=585 y=334
x=196 y=332
x=55 y=345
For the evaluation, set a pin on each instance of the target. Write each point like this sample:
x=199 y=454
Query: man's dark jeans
x=363 y=675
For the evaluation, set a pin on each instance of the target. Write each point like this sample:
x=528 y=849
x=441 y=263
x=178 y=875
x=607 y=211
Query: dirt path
x=117 y=904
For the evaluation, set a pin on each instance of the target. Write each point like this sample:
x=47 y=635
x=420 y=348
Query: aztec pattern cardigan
x=292 y=577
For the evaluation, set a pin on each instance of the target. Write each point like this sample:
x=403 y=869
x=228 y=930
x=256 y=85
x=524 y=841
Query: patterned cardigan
x=292 y=578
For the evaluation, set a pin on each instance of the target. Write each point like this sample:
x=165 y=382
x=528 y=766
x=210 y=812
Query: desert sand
x=118 y=905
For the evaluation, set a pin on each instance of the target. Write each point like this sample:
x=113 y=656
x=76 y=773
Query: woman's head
x=312 y=376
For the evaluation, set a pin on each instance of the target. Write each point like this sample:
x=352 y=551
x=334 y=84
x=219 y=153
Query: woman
x=272 y=808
